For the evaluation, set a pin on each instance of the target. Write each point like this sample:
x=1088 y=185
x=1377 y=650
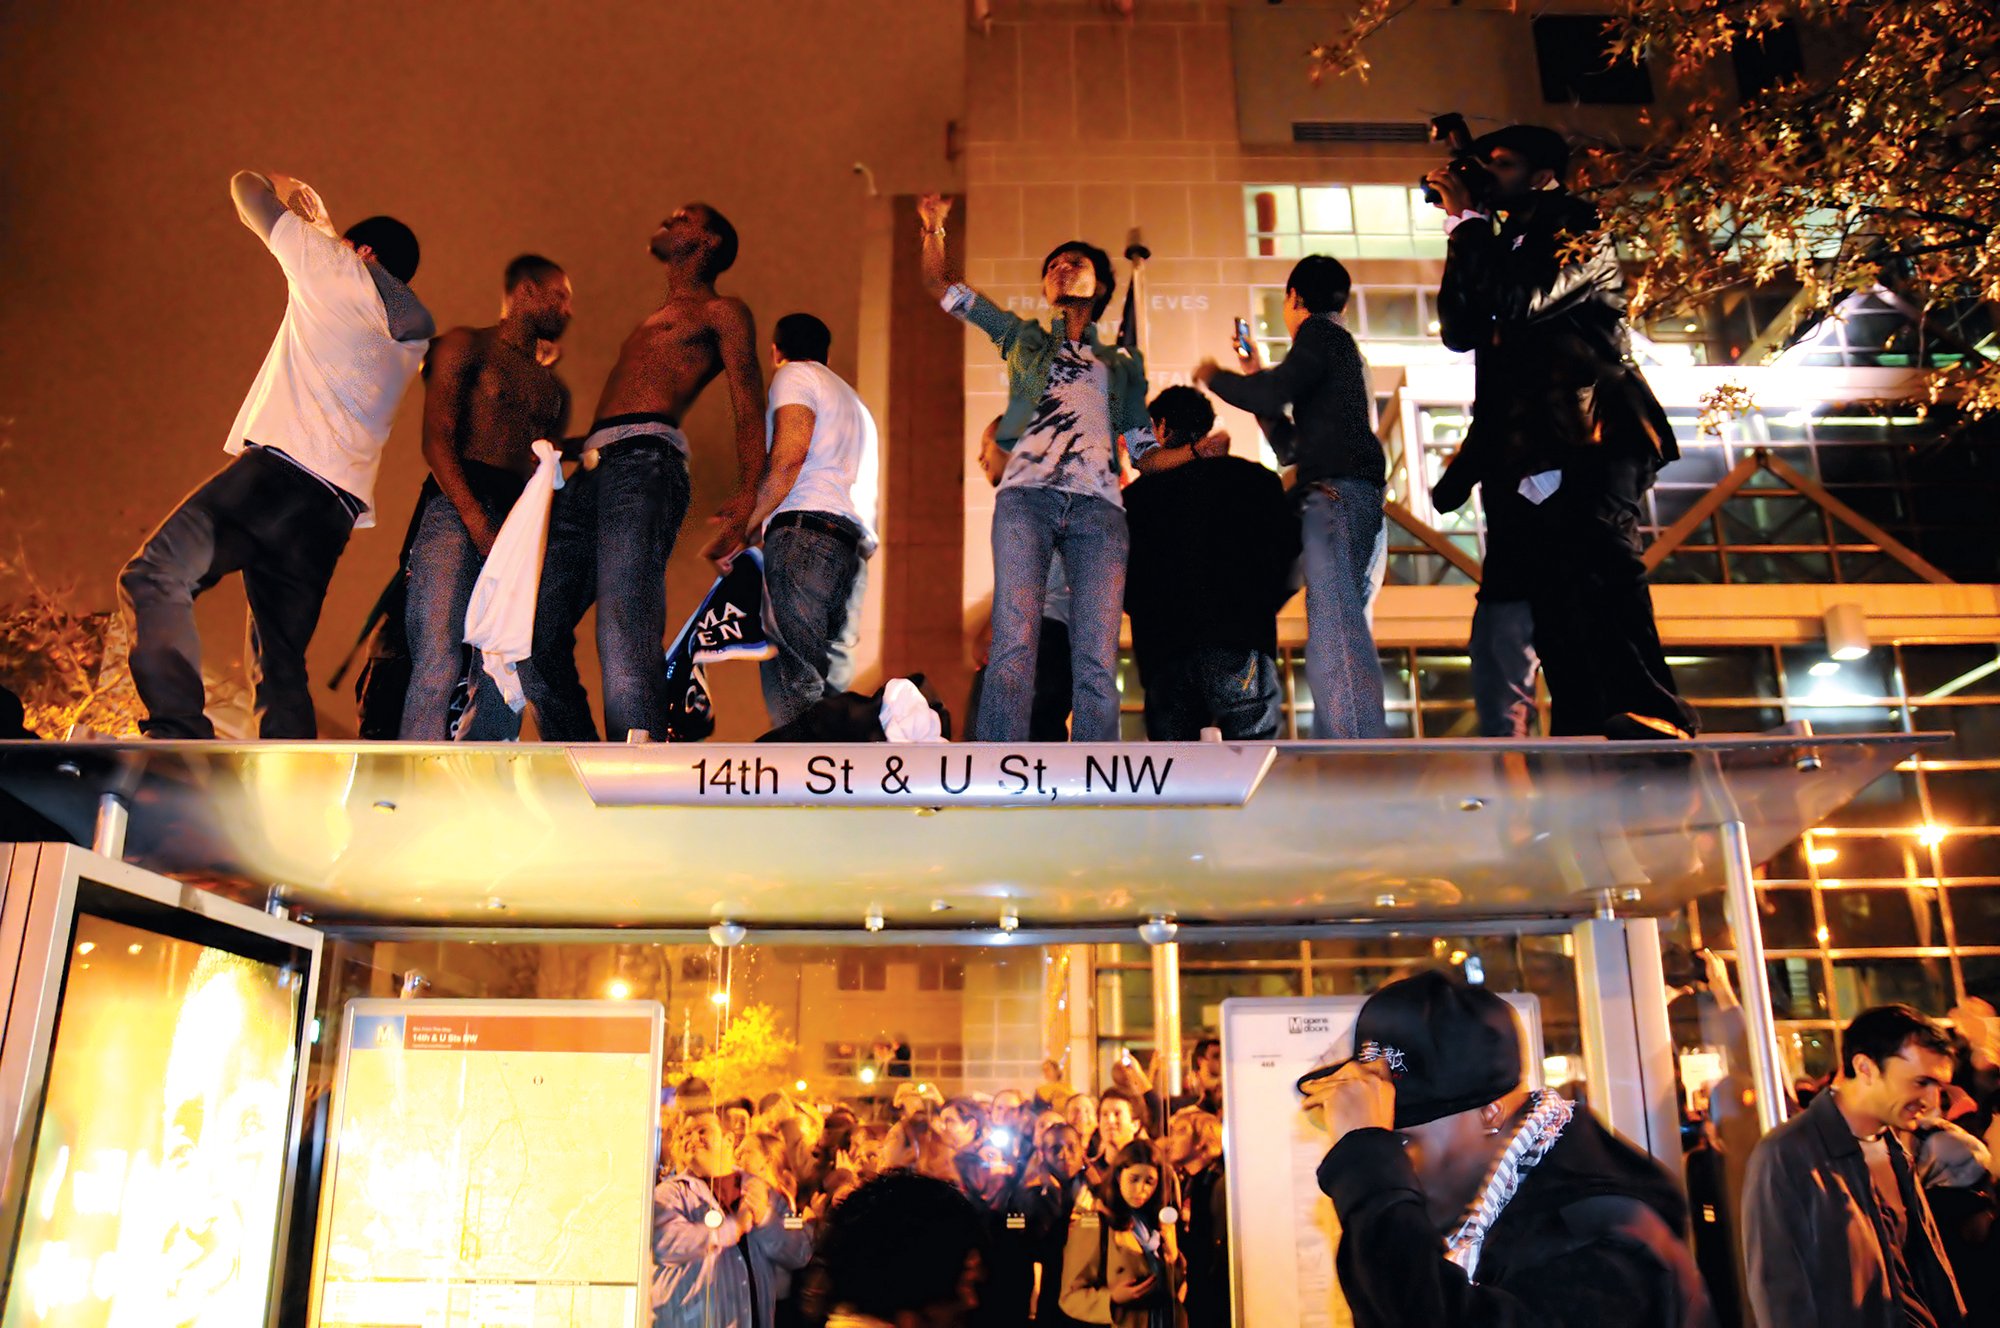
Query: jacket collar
x=1059 y=330
x=1824 y=1116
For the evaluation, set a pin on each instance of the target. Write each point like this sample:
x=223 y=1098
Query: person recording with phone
x=1566 y=436
x=1329 y=434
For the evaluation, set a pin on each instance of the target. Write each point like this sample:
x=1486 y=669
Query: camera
x=1451 y=131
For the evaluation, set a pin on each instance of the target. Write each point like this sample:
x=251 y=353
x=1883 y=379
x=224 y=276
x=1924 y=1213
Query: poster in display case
x=152 y=1054
x=491 y=1162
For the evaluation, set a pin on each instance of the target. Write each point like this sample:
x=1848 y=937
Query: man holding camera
x=1561 y=418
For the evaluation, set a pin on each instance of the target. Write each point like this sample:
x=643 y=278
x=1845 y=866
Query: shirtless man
x=487 y=398
x=614 y=524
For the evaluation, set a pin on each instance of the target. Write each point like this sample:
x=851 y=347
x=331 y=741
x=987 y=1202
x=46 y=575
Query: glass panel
x=1382 y=209
x=1861 y=983
x=1851 y=682
x=1372 y=947
x=1975 y=730
x=1737 y=719
x=1727 y=673
x=1268 y=318
x=1951 y=670
x=1971 y=855
x=1786 y=919
x=1982 y=976
x=1889 y=801
x=1326 y=208
x=1871 y=919
x=1964 y=797
x=1867 y=857
x=1444 y=677
x=1270 y=208
x=1394 y=313
x=1975 y=914
x=1385 y=246
x=1798 y=989
x=1809 y=1053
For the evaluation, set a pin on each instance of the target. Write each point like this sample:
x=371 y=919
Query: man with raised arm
x=487 y=398
x=1070 y=398
x=614 y=524
x=306 y=446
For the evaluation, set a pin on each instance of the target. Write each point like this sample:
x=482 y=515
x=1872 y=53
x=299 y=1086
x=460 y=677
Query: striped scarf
x=1540 y=1128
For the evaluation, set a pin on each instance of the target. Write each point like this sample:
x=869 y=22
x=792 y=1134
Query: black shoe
x=1632 y=727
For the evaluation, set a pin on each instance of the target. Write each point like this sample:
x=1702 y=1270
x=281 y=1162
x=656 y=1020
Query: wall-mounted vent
x=1359 y=131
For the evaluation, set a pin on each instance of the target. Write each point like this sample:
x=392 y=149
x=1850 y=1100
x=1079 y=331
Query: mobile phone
x=1243 y=346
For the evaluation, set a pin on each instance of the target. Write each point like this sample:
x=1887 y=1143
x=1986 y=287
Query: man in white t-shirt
x=815 y=514
x=307 y=444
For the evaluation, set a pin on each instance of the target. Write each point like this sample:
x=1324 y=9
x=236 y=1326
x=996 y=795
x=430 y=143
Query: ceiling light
x=718 y=998
x=1826 y=668
x=618 y=989
x=1846 y=632
x=1821 y=854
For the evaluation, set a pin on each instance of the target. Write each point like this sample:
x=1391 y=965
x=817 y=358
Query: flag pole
x=1136 y=255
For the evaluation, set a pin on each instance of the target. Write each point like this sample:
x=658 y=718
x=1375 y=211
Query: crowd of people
x=1109 y=502
x=1104 y=1208
x=1462 y=1195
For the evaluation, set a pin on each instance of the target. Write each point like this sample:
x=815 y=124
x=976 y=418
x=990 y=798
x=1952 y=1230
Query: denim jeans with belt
x=1345 y=539
x=1030 y=525
x=267 y=518
x=813 y=583
x=611 y=532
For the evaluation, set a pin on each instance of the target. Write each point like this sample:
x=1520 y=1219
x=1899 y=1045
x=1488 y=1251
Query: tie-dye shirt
x=1067 y=444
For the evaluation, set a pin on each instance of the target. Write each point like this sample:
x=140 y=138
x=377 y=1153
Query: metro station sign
x=923 y=776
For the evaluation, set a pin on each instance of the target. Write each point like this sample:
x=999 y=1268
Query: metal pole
x=1167 y=1017
x=1759 y=1028
x=114 y=814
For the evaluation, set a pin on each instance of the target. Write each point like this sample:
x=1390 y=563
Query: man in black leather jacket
x=1562 y=418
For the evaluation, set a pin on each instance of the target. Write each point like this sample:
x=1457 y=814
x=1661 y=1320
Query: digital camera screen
x=159 y=1158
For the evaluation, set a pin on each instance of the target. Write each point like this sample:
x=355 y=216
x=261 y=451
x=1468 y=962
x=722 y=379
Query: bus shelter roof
x=972 y=836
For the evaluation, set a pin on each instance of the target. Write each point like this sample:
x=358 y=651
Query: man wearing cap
x=1464 y=1198
x=1566 y=437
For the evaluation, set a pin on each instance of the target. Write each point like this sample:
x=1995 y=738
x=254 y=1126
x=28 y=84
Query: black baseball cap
x=1541 y=148
x=1450 y=1046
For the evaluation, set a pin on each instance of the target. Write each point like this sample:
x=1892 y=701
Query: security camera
x=726 y=934
x=1158 y=930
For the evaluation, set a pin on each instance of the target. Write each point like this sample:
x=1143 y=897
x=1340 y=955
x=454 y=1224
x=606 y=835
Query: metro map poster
x=491 y=1163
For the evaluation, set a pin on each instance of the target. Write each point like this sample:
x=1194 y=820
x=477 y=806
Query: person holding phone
x=1318 y=411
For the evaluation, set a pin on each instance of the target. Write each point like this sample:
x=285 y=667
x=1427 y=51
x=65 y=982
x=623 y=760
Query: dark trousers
x=284 y=531
x=1224 y=687
x=1593 y=612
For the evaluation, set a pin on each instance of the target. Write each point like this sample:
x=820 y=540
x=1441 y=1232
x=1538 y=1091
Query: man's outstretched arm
x=736 y=336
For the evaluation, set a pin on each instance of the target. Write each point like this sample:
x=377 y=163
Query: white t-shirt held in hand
x=334 y=376
x=840 y=472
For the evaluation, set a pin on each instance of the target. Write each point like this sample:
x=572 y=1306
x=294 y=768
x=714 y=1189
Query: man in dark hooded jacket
x=1562 y=417
x=1465 y=1200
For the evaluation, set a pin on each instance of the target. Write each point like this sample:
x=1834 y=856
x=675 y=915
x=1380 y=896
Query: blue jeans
x=444 y=565
x=1345 y=536
x=813 y=583
x=284 y=530
x=611 y=532
x=1030 y=525
x=1503 y=667
x=1233 y=690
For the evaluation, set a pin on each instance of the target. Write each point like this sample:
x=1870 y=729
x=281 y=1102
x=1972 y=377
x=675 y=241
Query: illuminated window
x=1344 y=221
